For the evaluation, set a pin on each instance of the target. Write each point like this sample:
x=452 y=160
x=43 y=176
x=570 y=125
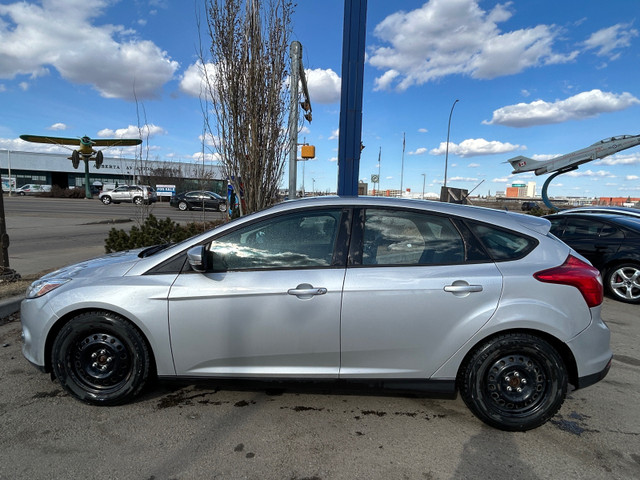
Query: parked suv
x=137 y=194
x=528 y=206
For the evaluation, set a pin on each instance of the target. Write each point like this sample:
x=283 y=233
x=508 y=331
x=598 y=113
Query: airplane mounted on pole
x=84 y=150
x=571 y=161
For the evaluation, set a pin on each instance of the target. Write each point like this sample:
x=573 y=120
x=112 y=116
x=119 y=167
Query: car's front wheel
x=514 y=382
x=183 y=206
x=101 y=358
x=138 y=200
x=106 y=200
x=222 y=207
x=623 y=282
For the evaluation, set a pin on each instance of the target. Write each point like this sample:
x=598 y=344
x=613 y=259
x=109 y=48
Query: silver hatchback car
x=394 y=293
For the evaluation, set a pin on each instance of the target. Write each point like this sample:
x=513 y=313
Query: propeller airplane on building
x=571 y=161
x=84 y=149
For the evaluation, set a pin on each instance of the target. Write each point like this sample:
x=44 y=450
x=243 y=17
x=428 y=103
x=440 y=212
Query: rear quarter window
x=503 y=244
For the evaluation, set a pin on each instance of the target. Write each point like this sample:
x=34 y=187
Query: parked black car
x=611 y=243
x=198 y=200
x=527 y=206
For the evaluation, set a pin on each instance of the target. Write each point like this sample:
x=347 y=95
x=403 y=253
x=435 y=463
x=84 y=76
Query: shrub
x=153 y=232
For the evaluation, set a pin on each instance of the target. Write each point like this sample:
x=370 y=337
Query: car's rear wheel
x=222 y=207
x=106 y=200
x=183 y=206
x=514 y=382
x=623 y=282
x=138 y=200
x=101 y=358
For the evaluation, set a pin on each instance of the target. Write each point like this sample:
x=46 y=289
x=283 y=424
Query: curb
x=10 y=305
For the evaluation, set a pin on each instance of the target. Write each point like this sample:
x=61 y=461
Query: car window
x=503 y=244
x=581 y=228
x=409 y=238
x=296 y=240
x=557 y=225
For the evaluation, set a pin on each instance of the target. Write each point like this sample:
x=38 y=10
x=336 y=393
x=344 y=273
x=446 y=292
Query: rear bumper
x=594 y=377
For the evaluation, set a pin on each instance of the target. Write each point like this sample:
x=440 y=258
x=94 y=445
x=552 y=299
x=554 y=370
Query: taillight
x=578 y=274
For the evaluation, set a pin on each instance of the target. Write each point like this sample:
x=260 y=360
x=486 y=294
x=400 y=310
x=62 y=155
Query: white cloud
x=192 y=81
x=419 y=151
x=423 y=130
x=620 y=159
x=631 y=177
x=63 y=34
x=324 y=85
x=207 y=157
x=132 y=131
x=475 y=146
x=446 y=37
x=590 y=173
x=57 y=126
x=578 y=107
x=334 y=134
x=607 y=40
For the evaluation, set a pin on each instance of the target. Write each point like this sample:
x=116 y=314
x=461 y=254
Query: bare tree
x=245 y=87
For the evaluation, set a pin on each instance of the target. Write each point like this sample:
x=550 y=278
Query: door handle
x=305 y=290
x=460 y=288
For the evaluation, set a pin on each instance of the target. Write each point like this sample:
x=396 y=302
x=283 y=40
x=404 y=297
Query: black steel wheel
x=514 y=382
x=183 y=206
x=101 y=358
x=106 y=200
x=623 y=282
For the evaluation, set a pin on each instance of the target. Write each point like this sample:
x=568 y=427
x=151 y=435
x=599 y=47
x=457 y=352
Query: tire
x=222 y=207
x=101 y=359
x=22 y=194
x=183 y=206
x=514 y=382
x=623 y=282
x=106 y=200
x=138 y=200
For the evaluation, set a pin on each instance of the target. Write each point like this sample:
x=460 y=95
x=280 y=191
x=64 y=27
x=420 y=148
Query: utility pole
x=297 y=76
x=296 y=56
x=402 y=166
x=446 y=157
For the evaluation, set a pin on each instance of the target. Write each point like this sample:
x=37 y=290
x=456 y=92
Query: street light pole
x=424 y=180
x=446 y=157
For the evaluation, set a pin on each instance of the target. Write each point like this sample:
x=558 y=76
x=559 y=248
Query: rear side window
x=503 y=244
x=394 y=237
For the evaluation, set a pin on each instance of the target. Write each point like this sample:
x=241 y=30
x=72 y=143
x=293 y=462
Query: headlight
x=43 y=286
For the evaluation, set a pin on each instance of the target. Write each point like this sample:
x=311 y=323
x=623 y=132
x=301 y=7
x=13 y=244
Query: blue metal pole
x=349 y=140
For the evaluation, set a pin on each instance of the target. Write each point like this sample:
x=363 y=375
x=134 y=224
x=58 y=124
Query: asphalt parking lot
x=319 y=432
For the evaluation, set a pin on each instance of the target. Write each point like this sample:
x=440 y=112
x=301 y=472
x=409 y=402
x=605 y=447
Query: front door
x=269 y=304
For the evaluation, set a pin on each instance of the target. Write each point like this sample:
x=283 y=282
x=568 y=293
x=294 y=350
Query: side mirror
x=197 y=257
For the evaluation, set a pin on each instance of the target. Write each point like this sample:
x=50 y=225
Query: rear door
x=416 y=290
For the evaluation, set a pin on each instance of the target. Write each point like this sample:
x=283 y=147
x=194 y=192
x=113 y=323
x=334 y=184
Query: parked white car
x=33 y=189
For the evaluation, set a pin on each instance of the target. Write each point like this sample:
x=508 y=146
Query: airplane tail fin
x=523 y=164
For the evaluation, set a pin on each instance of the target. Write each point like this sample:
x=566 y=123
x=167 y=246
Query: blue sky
x=538 y=79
